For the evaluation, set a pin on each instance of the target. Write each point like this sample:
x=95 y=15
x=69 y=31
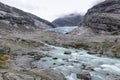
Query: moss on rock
x=3 y=59
x=80 y=45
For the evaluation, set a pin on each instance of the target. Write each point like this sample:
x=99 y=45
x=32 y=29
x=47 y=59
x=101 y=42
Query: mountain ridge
x=68 y=20
x=19 y=19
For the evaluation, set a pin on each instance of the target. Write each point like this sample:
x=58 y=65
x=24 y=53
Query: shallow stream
x=103 y=68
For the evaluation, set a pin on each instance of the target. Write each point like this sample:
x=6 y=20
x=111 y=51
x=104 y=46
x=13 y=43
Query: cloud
x=51 y=9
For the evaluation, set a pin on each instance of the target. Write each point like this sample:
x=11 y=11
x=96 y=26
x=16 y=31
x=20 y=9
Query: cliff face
x=68 y=20
x=104 y=18
x=13 y=18
x=100 y=31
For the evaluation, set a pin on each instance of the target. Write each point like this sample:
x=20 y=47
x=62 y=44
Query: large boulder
x=14 y=19
x=84 y=76
x=34 y=75
x=68 y=20
x=104 y=18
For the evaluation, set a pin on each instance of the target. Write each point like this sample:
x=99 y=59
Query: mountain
x=68 y=20
x=100 y=30
x=46 y=55
x=104 y=18
x=14 y=19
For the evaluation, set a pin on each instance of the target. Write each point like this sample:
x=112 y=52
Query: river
x=103 y=68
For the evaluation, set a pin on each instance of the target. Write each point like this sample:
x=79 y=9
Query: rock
x=117 y=79
x=117 y=55
x=104 y=18
x=14 y=19
x=17 y=76
x=26 y=42
x=67 y=52
x=4 y=50
x=91 y=52
x=55 y=58
x=37 y=55
x=49 y=74
x=68 y=20
x=25 y=76
x=23 y=62
x=31 y=43
x=1 y=78
x=87 y=67
x=84 y=76
x=42 y=75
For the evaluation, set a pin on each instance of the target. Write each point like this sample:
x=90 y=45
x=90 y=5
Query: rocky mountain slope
x=14 y=19
x=36 y=56
x=101 y=29
x=68 y=20
x=104 y=18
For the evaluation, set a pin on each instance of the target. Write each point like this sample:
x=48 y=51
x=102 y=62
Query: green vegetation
x=116 y=49
x=80 y=45
x=3 y=59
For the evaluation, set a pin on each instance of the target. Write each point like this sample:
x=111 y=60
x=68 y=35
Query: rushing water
x=70 y=64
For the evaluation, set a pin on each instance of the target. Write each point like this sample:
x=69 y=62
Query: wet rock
x=91 y=52
x=4 y=50
x=87 y=67
x=55 y=58
x=44 y=60
x=54 y=63
x=117 y=55
x=84 y=76
x=67 y=52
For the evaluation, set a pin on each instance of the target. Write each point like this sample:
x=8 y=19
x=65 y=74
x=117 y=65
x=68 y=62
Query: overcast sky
x=51 y=9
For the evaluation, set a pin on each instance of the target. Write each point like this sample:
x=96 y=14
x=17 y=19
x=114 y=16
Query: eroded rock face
x=104 y=17
x=20 y=20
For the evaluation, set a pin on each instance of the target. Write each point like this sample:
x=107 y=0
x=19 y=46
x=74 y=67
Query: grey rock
x=55 y=58
x=1 y=78
x=50 y=74
x=20 y=20
x=84 y=76
x=4 y=50
x=67 y=52
x=36 y=55
x=30 y=43
x=87 y=67
x=24 y=62
x=104 y=18
x=34 y=75
x=16 y=76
